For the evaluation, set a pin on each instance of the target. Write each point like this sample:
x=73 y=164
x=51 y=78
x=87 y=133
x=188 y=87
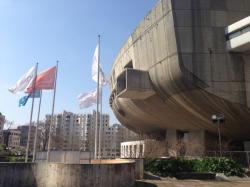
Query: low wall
x=66 y=157
x=139 y=168
x=111 y=161
x=66 y=175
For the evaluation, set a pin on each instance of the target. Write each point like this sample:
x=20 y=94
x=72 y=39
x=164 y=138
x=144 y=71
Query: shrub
x=16 y=159
x=170 y=167
x=2 y=147
x=220 y=165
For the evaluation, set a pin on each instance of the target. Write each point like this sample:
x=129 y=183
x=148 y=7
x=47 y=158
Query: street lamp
x=219 y=119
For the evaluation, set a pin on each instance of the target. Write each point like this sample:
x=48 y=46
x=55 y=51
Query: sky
x=44 y=31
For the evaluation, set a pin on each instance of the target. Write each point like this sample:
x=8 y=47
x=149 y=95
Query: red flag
x=44 y=80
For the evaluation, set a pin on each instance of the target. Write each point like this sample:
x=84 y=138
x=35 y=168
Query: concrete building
x=112 y=140
x=67 y=131
x=2 y=121
x=111 y=136
x=142 y=149
x=76 y=132
x=124 y=134
x=105 y=133
x=133 y=149
x=12 y=138
x=183 y=63
x=24 y=130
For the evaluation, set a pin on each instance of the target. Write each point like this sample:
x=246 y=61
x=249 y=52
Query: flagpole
x=52 y=114
x=100 y=90
x=37 y=123
x=31 y=114
x=97 y=98
x=100 y=127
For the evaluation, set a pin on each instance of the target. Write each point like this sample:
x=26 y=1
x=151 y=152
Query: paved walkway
x=192 y=183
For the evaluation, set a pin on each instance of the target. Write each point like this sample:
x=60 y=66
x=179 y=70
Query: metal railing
x=242 y=157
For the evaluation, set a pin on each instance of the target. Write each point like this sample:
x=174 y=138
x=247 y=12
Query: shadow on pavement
x=144 y=184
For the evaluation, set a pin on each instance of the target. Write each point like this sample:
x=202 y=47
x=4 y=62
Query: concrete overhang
x=238 y=35
x=134 y=84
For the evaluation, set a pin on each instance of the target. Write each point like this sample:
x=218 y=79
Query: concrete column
x=247 y=146
x=139 y=169
x=195 y=145
x=171 y=139
x=247 y=78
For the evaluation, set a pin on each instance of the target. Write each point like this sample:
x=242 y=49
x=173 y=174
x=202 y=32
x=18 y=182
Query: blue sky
x=44 y=31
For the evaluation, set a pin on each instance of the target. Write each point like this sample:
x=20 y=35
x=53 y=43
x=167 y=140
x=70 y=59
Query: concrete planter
x=67 y=175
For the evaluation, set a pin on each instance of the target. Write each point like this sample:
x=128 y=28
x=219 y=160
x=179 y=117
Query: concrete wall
x=69 y=157
x=200 y=33
x=191 y=145
x=182 y=46
x=67 y=175
x=196 y=143
x=139 y=168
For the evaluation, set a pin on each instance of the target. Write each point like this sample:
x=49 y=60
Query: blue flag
x=37 y=94
x=24 y=99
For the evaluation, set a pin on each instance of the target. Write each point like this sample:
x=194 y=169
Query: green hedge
x=220 y=165
x=170 y=167
x=12 y=158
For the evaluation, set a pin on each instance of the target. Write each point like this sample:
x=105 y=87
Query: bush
x=16 y=159
x=170 y=167
x=220 y=165
x=2 y=147
x=10 y=158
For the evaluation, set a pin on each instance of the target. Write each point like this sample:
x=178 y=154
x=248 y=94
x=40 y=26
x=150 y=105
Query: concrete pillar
x=247 y=78
x=247 y=146
x=139 y=169
x=171 y=139
x=195 y=145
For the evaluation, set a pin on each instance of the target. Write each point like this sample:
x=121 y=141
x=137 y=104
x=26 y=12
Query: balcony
x=134 y=84
x=238 y=36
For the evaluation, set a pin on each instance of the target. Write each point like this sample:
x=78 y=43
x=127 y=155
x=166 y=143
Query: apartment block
x=11 y=138
x=2 y=121
x=67 y=131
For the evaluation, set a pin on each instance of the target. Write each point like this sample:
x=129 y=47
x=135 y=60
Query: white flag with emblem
x=24 y=82
x=86 y=100
x=102 y=78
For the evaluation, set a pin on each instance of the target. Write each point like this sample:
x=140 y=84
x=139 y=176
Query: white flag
x=86 y=100
x=24 y=82
x=102 y=79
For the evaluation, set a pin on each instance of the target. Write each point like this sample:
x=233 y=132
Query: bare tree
x=44 y=136
x=6 y=135
x=155 y=149
x=154 y=146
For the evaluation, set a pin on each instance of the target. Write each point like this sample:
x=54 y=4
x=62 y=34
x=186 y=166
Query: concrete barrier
x=66 y=157
x=139 y=168
x=111 y=161
x=67 y=175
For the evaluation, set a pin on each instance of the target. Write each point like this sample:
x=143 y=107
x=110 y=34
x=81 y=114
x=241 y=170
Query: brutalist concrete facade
x=174 y=72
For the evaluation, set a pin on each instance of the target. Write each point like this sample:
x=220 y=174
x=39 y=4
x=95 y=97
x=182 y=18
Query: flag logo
x=24 y=82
